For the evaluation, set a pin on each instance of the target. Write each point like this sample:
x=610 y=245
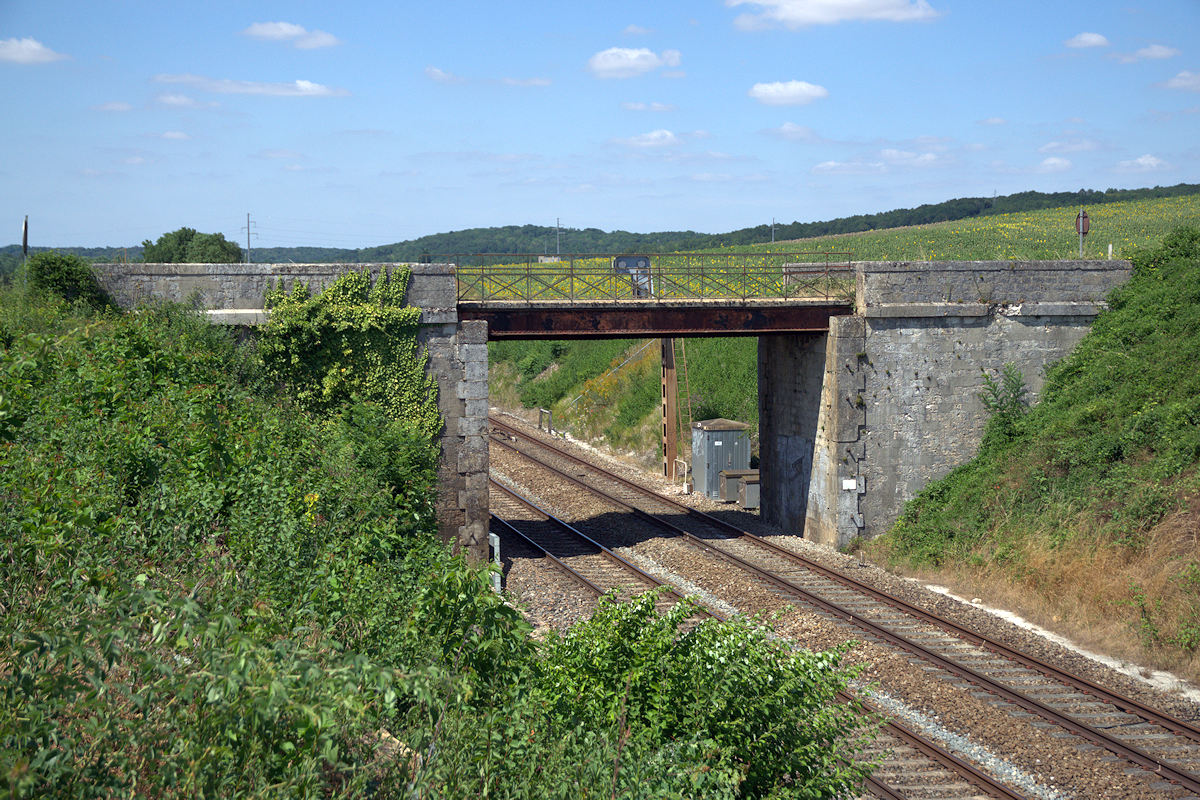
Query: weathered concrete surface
x=899 y=399
x=233 y=294
x=791 y=372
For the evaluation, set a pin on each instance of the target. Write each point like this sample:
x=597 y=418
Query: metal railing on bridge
x=597 y=278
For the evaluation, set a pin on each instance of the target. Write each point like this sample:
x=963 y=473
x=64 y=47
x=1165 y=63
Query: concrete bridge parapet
x=233 y=294
x=899 y=382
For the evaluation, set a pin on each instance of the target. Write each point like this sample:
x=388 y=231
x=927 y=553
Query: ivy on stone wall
x=352 y=341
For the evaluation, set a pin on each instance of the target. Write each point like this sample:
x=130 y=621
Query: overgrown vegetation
x=1102 y=471
x=207 y=590
x=353 y=340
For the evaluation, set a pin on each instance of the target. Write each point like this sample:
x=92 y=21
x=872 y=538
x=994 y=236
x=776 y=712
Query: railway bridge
x=869 y=372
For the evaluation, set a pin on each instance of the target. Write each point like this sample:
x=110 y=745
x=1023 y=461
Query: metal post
x=670 y=408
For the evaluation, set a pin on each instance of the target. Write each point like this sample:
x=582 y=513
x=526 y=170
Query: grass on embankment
x=1085 y=511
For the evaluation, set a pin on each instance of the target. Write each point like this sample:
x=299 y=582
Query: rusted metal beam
x=670 y=408
x=650 y=320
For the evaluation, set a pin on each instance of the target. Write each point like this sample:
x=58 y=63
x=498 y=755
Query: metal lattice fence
x=591 y=278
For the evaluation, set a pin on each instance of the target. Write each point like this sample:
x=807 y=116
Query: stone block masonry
x=924 y=336
x=900 y=381
x=233 y=294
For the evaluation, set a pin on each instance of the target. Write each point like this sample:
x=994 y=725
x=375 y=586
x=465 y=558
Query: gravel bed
x=1041 y=753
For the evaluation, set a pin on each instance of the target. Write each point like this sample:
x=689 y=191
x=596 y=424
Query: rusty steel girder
x=635 y=320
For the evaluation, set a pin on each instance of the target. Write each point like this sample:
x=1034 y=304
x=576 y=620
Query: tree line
x=186 y=245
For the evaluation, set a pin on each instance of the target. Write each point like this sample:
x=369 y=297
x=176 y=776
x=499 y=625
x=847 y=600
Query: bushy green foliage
x=352 y=341
x=183 y=569
x=206 y=592
x=787 y=736
x=1118 y=419
x=187 y=246
x=68 y=277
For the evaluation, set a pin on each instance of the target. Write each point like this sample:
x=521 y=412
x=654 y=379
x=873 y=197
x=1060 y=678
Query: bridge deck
x=631 y=318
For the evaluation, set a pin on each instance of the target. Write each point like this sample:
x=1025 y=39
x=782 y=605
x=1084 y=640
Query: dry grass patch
x=1141 y=605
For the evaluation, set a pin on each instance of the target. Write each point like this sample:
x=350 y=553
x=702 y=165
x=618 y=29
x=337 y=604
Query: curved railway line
x=1166 y=747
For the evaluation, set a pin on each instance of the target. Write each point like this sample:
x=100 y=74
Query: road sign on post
x=1082 y=224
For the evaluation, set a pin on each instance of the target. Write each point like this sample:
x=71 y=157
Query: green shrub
x=68 y=277
x=728 y=686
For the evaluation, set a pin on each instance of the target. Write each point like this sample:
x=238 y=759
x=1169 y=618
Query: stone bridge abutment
x=855 y=422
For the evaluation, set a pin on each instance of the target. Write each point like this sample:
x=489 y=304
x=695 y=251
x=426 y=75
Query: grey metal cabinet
x=718 y=444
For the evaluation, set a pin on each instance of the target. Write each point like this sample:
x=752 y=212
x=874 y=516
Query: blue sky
x=352 y=124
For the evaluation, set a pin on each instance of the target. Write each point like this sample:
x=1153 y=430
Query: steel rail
x=558 y=562
x=1126 y=751
x=932 y=751
x=1132 y=706
x=624 y=563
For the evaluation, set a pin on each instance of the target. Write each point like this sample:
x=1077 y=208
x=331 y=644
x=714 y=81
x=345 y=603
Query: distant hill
x=541 y=239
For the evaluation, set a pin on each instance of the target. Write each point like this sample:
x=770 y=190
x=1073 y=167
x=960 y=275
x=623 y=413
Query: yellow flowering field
x=1031 y=235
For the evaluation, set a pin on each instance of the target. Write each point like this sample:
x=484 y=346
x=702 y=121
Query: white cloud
x=1054 y=164
x=658 y=138
x=1145 y=163
x=115 y=106
x=27 y=51
x=178 y=136
x=725 y=177
x=787 y=93
x=135 y=160
x=441 y=76
x=300 y=37
x=1087 y=40
x=288 y=154
x=299 y=88
x=657 y=107
x=181 y=101
x=1188 y=81
x=1069 y=146
x=525 y=81
x=1150 y=53
x=905 y=158
x=795 y=133
x=993 y=121
x=625 y=62
x=795 y=14
x=849 y=167
x=1156 y=51
x=636 y=30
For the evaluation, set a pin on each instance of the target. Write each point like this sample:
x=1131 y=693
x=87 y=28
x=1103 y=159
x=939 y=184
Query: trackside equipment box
x=730 y=480
x=718 y=444
x=748 y=492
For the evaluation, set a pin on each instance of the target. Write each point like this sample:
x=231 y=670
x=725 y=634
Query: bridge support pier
x=791 y=371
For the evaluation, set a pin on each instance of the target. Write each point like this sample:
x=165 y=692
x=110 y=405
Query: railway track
x=1023 y=685
x=913 y=762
